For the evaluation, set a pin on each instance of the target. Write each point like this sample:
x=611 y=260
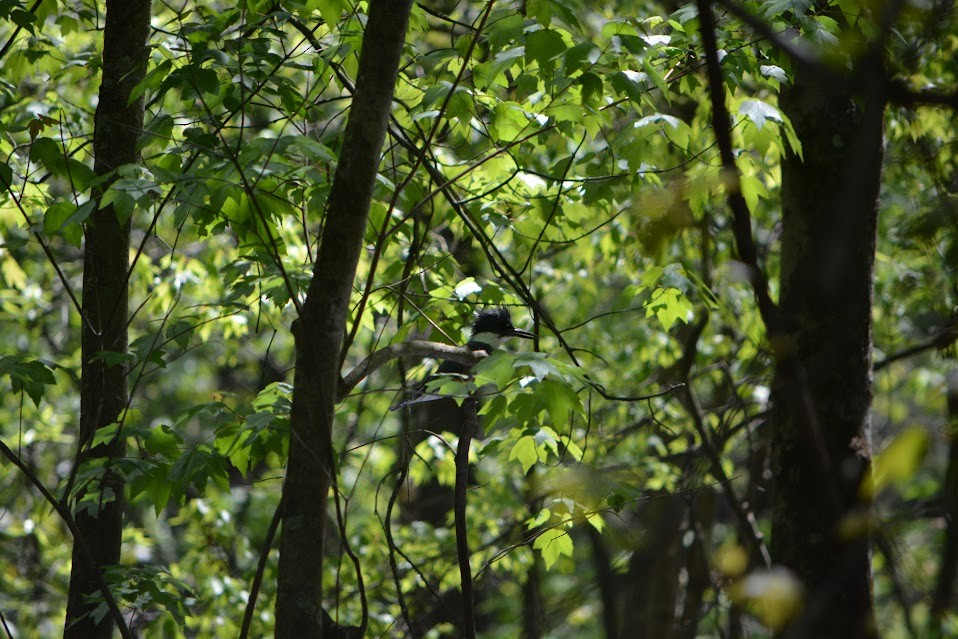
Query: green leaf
x=539 y=520
x=560 y=400
x=553 y=543
x=467 y=287
x=675 y=129
x=510 y=121
x=752 y=190
x=544 y=46
x=497 y=369
x=194 y=469
x=155 y=484
x=525 y=451
x=6 y=176
x=596 y=521
x=23 y=19
x=112 y=358
x=152 y=81
x=546 y=442
x=48 y=153
x=591 y=88
x=538 y=362
x=67 y=25
x=27 y=375
x=631 y=83
x=204 y=79
x=163 y=440
x=617 y=27
x=56 y=215
x=331 y=10
x=120 y=200
x=105 y=434
x=654 y=74
x=669 y=306
x=584 y=54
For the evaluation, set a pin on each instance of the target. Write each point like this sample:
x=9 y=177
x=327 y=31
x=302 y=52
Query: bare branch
x=941 y=340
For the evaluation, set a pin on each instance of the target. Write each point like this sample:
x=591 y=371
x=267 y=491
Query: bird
x=491 y=327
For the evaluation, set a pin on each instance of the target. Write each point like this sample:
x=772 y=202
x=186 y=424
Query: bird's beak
x=524 y=334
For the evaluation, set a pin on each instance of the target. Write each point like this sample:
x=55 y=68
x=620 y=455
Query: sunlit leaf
x=553 y=543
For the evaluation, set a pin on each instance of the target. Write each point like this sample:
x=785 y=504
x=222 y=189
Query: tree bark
x=822 y=391
x=103 y=388
x=320 y=328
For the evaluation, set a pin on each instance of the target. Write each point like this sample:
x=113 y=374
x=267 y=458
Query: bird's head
x=493 y=325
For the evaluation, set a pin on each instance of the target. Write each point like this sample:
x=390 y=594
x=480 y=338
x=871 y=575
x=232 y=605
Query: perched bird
x=490 y=329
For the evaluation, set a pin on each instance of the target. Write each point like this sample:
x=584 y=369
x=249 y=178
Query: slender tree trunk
x=319 y=330
x=652 y=580
x=103 y=388
x=822 y=392
x=532 y=609
x=605 y=579
x=943 y=597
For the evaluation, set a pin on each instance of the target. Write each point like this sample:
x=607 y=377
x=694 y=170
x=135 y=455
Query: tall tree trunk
x=103 y=388
x=822 y=392
x=319 y=330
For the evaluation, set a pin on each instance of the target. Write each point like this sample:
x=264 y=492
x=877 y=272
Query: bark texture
x=823 y=391
x=319 y=330
x=103 y=388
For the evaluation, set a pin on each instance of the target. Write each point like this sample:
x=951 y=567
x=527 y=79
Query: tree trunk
x=319 y=330
x=943 y=596
x=652 y=581
x=822 y=392
x=103 y=388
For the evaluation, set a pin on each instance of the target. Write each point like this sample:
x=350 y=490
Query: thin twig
x=260 y=570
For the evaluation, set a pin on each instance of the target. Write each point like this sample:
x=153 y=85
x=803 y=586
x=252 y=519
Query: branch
x=260 y=570
x=741 y=218
x=901 y=95
x=943 y=339
x=893 y=90
x=412 y=348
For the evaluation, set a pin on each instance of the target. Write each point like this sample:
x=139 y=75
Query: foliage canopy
x=556 y=156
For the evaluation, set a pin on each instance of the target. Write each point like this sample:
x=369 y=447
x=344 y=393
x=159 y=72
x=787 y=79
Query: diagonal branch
x=731 y=178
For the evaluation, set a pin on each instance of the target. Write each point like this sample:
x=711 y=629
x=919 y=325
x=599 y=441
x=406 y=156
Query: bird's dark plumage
x=490 y=328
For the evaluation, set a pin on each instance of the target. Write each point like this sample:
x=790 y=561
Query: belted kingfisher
x=490 y=329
